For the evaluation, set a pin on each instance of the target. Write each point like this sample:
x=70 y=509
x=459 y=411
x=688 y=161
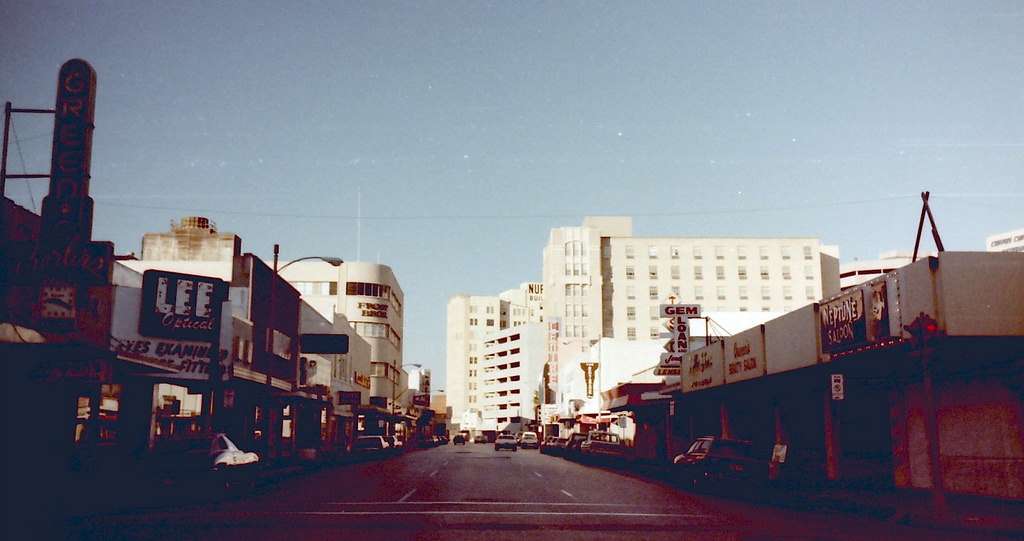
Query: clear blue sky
x=462 y=132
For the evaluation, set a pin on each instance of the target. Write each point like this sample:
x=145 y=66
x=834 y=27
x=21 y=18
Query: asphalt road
x=473 y=492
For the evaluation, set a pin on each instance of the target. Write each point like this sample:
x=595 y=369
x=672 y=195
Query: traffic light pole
x=924 y=331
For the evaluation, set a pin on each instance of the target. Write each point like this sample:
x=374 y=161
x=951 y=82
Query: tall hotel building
x=472 y=319
x=602 y=282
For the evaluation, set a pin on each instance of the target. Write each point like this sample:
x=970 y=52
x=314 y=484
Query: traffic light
x=924 y=333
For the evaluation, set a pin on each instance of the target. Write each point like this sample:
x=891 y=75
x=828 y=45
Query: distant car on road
x=459 y=439
x=480 y=438
x=529 y=440
x=505 y=441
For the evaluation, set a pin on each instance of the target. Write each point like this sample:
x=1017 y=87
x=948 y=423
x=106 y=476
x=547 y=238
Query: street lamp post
x=273 y=316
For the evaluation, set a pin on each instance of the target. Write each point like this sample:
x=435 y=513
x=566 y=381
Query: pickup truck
x=603 y=445
x=712 y=458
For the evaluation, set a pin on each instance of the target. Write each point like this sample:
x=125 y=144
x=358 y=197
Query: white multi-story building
x=470 y=319
x=370 y=297
x=512 y=363
x=602 y=282
x=1010 y=241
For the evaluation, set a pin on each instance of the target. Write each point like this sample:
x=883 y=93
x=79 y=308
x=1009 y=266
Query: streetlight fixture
x=335 y=261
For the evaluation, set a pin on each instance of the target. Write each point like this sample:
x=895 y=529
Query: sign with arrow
x=678 y=323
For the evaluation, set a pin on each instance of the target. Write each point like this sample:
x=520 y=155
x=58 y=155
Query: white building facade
x=512 y=363
x=1010 y=241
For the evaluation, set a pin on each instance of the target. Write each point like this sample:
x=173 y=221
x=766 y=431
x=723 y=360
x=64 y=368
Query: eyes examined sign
x=181 y=306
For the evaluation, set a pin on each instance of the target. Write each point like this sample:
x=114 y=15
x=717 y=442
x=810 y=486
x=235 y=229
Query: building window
x=653 y=292
x=652 y=272
x=787 y=293
x=630 y=333
x=764 y=273
x=630 y=313
x=365 y=289
x=652 y=252
x=786 y=274
x=674 y=251
x=630 y=273
x=697 y=253
x=766 y=293
x=698 y=273
x=630 y=252
x=720 y=272
x=807 y=253
x=809 y=272
x=742 y=273
x=763 y=250
x=719 y=252
x=675 y=272
x=741 y=252
x=809 y=291
x=743 y=293
x=785 y=252
x=675 y=291
x=655 y=332
x=720 y=290
x=630 y=292
x=490 y=322
x=698 y=292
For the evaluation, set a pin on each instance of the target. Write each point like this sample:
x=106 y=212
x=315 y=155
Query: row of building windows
x=720 y=252
x=721 y=292
x=720 y=272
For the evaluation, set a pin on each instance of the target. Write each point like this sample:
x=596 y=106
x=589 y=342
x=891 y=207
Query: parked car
x=480 y=438
x=459 y=439
x=210 y=459
x=572 y=445
x=371 y=448
x=505 y=441
x=718 y=459
x=553 y=445
x=600 y=444
x=529 y=440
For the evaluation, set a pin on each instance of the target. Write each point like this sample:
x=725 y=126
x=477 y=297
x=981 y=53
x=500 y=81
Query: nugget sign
x=181 y=306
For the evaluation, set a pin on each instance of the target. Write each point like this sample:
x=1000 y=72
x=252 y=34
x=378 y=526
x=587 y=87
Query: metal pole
x=932 y=430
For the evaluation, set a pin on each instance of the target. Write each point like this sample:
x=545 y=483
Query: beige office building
x=603 y=282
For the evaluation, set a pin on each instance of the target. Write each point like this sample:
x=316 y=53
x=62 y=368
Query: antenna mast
x=925 y=209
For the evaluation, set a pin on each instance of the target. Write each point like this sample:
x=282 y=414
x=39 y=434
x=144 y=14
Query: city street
x=474 y=492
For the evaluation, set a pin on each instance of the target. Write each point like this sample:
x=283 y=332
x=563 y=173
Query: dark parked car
x=553 y=445
x=371 y=448
x=459 y=439
x=601 y=445
x=210 y=459
x=572 y=445
x=717 y=459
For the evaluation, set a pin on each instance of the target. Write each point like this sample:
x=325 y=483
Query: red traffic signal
x=924 y=331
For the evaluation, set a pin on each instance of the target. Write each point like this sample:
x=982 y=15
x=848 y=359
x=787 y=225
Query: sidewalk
x=963 y=512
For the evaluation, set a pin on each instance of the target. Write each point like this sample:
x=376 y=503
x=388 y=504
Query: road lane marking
x=433 y=473
x=537 y=474
x=406 y=497
x=569 y=495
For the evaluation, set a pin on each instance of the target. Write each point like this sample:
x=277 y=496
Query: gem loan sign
x=678 y=323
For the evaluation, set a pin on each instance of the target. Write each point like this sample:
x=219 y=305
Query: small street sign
x=838 y=387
